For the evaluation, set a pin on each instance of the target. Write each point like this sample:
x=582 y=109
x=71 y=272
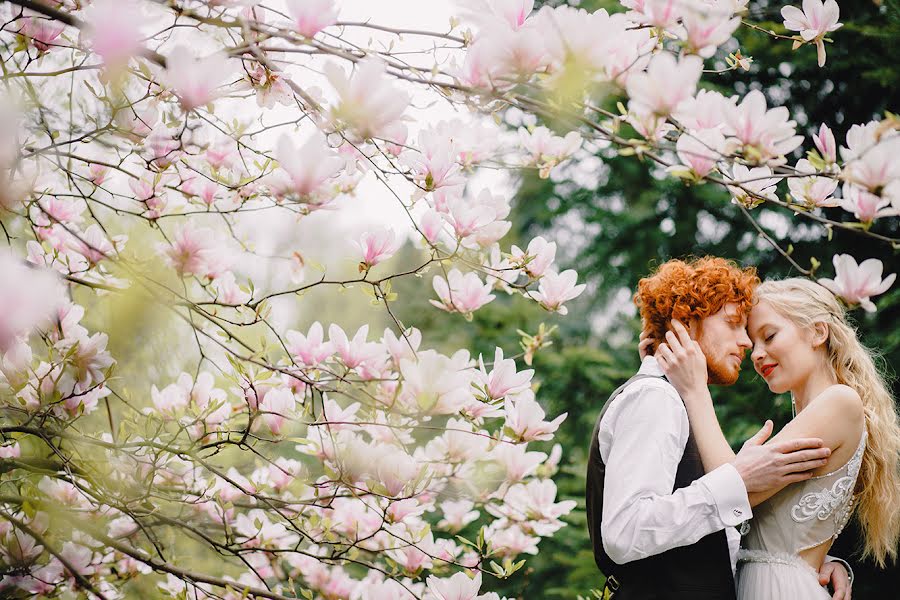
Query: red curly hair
x=693 y=289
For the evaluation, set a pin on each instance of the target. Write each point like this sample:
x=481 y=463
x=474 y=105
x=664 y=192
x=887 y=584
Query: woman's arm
x=685 y=366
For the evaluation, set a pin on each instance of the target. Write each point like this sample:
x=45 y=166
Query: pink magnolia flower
x=814 y=22
x=457 y=514
x=29 y=298
x=536 y=259
x=435 y=383
x=765 y=135
x=194 y=252
x=812 y=191
x=271 y=87
x=666 y=83
x=511 y=13
x=824 y=141
x=369 y=102
x=310 y=349
x=856 y=283
x=162 y=147
x=353 y=352
x=434 y=166
x=708 y=26
x=534 y=502
x=700 y=151
x=555 y=289
x=864 y=205
x=512 y=541
x=503 y=379
x=312 y=16
x=876 y=167
x=457 y=587
x=431 y=224
x=394 y=469
x=547 y=150
x=467 y=215
x=376 y=246
x=525 y=418
x=756 y=185
x=304 y=170
x=706 y=110
x=222 y=154
x=461 y=293
x=517 y=461
x=194 y=80
x=276 y=408
x=10 y=450
x=41 y=31
x=97 y=173
x=113 y=30
x=228 y=291
x=403 y=346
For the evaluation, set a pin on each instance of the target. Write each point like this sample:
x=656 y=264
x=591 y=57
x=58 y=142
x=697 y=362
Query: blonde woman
x=802 y=344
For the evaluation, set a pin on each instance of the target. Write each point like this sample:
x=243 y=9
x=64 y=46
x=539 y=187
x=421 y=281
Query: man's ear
x=820 y=333
x=693 y=326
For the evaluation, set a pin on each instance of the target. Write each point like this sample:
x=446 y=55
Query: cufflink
x=738 y=512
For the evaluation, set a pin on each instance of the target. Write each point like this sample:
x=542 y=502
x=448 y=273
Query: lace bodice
x=808 y=513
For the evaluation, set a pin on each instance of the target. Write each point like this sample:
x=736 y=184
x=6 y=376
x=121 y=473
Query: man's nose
x=744 y=340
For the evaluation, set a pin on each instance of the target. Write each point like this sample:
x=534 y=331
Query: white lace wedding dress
x=801 y=516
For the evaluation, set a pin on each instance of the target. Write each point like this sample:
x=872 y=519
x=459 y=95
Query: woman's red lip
x=765 y=370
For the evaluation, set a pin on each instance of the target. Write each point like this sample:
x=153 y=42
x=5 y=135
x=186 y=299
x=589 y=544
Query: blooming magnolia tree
x=141 y=140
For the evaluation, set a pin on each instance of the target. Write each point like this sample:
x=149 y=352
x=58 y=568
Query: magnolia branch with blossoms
x=321 y=462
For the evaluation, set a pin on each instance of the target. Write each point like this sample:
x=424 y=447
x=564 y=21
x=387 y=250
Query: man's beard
x=721 y=372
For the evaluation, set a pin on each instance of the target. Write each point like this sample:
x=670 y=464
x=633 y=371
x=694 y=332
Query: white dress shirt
x=642 y=439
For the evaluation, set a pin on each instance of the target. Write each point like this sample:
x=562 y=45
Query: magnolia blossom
x=310 y=349
x=706 y=110
x=812 y=191
x=756 y=185
x=353 y=352
x=708 y=26
x=457 y=514
x=461 y=293
x=194 y=80
x=435 y=383
x=41 y=31
x=511 y=13
x=376 y=246
x=312 y=16
x=457 y=587
x=194 y=251
x=856 y=283
x=763 y=135
x=304 y=170
x=369 y=102
x=536 y=259
x=864 y=205
x=29 y=298
x=814 y=22
x=824 y=141
x=525 y=419
x=557 y=288
x=435 y=165
x=276 y=407
x=113 y=30
x=666 y=83
x=700 y=151
x=503 y=379
x=271 y=87
x=547 y=150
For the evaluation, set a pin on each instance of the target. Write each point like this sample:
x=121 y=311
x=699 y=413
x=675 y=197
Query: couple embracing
x=674 y=513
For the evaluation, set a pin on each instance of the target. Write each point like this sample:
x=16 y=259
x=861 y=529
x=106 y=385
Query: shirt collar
x=650 y=366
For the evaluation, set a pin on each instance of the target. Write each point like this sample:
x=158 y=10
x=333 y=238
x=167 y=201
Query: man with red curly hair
x=660 y=526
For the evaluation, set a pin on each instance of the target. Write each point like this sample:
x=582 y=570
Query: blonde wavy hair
x=878 y=510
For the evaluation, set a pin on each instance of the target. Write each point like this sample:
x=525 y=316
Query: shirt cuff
x=729 y=494
x=829 y=558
